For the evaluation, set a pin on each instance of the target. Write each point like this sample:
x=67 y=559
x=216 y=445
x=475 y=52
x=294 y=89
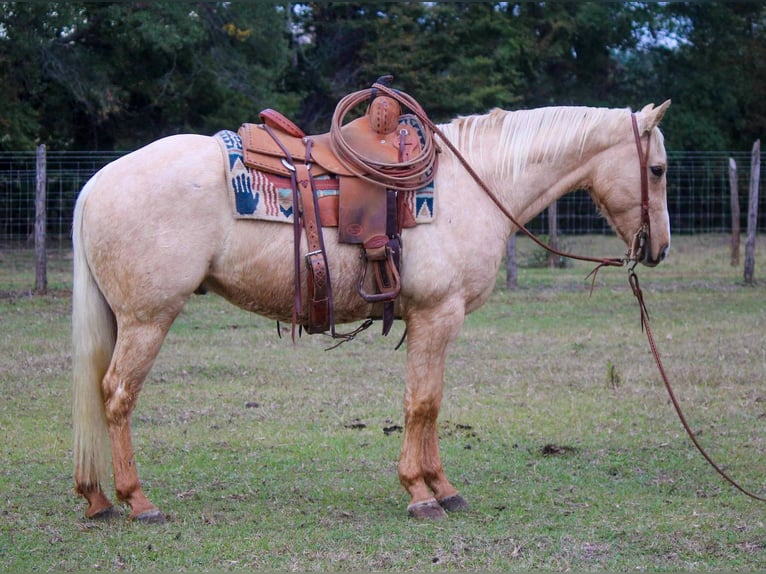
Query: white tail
x=93 y=341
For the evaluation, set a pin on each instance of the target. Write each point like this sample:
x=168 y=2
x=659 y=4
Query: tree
x=713 y=68
x=115 y=75
x=459 y=58
x=105 y=75
x=454 y=57
x=569 y=56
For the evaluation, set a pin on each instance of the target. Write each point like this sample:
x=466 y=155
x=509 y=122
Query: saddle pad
x=258 y=195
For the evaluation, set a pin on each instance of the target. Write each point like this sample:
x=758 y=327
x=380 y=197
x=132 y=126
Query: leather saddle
x=370 y=213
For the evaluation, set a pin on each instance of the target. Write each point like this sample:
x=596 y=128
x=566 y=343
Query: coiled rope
x=406 y=175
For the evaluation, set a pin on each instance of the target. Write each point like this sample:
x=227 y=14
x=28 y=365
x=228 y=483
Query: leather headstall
x=641 y=240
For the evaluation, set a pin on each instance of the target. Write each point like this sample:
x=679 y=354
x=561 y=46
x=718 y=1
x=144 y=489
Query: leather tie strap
x=306 y=216
x=393 y=230
x=634 y=284
x=318 y=278
x=290 y=165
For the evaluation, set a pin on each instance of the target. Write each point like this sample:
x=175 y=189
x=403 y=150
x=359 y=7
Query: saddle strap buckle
x=318 y=283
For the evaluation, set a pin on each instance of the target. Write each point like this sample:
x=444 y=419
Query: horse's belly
x=256 y=271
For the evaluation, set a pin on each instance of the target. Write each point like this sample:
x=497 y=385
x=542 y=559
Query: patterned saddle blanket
x=261 y=195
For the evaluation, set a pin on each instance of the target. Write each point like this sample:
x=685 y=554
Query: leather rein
x=634 y=255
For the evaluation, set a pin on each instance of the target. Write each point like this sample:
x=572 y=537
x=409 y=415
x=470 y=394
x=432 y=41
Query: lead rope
x=634 y=285
x=602 y=262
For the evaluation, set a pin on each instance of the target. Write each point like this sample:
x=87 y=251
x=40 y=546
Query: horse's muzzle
x=649 y=261
x=641 y=249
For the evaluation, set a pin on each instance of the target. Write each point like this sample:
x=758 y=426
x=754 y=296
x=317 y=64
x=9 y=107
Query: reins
x=634 y=285
x=636 y=252
x=602 y=262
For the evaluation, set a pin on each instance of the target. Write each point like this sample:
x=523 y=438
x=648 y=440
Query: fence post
x=41 y=258
x=553 y=235
x=735 y=228
x=511 y=268
x=752 y=212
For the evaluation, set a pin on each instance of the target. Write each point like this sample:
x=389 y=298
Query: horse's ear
x=652 y=116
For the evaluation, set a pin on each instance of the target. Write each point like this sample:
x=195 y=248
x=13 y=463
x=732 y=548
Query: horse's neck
x=532 y=158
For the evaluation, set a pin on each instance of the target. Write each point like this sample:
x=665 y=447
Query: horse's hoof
x=429 y=509
x=105 y=514
x=153 y=516
x=454 y=503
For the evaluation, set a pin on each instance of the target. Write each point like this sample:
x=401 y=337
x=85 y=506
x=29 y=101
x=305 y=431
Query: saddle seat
x=370 y=212
x=262 y=152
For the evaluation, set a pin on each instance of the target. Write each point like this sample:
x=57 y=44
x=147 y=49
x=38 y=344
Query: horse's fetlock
x=124 y=494
x=86 y=488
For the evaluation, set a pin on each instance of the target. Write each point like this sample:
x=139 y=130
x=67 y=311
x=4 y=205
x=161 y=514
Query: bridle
x=635 y=254
x=641 y=240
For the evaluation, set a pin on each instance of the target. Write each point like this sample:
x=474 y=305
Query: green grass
x=252 y=445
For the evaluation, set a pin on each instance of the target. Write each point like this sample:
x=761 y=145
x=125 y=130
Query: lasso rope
x=406 y=175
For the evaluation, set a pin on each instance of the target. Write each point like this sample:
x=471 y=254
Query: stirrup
x=386 y=280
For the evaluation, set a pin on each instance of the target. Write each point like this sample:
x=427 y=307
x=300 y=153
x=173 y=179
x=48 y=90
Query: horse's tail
x=93 y=340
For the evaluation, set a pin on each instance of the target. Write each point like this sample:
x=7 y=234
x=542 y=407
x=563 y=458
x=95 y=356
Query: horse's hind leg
x=135 y=352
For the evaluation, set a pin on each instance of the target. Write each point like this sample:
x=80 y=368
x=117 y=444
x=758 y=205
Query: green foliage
x=538 y=258
x=459 y=56
x=114 y=75
x=715 y=74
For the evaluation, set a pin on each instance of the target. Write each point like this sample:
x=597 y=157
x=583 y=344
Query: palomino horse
x=155 y=226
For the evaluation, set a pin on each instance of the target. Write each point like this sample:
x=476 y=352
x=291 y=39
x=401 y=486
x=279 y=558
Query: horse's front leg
x=420 y=468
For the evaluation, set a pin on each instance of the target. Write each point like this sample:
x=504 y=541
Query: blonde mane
x=532 y=136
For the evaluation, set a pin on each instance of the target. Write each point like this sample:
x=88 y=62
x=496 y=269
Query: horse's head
x=629 y=186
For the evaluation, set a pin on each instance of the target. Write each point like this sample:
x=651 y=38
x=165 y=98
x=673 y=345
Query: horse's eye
x=657 y=170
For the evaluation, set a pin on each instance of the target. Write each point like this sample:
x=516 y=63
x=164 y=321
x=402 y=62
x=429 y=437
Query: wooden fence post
x=735 y=227
x=752 y=212
x=553 y=235
x=511 y=269
x=41 y=258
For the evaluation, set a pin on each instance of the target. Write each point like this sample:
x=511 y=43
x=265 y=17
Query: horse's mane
x=538 y=135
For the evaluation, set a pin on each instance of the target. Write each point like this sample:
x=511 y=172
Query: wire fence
x=66 y=173
x=698 y=196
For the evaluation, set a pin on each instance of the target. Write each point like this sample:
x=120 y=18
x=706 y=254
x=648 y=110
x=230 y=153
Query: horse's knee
x=421 y=410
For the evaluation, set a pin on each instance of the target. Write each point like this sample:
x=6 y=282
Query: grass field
x=555 y=427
